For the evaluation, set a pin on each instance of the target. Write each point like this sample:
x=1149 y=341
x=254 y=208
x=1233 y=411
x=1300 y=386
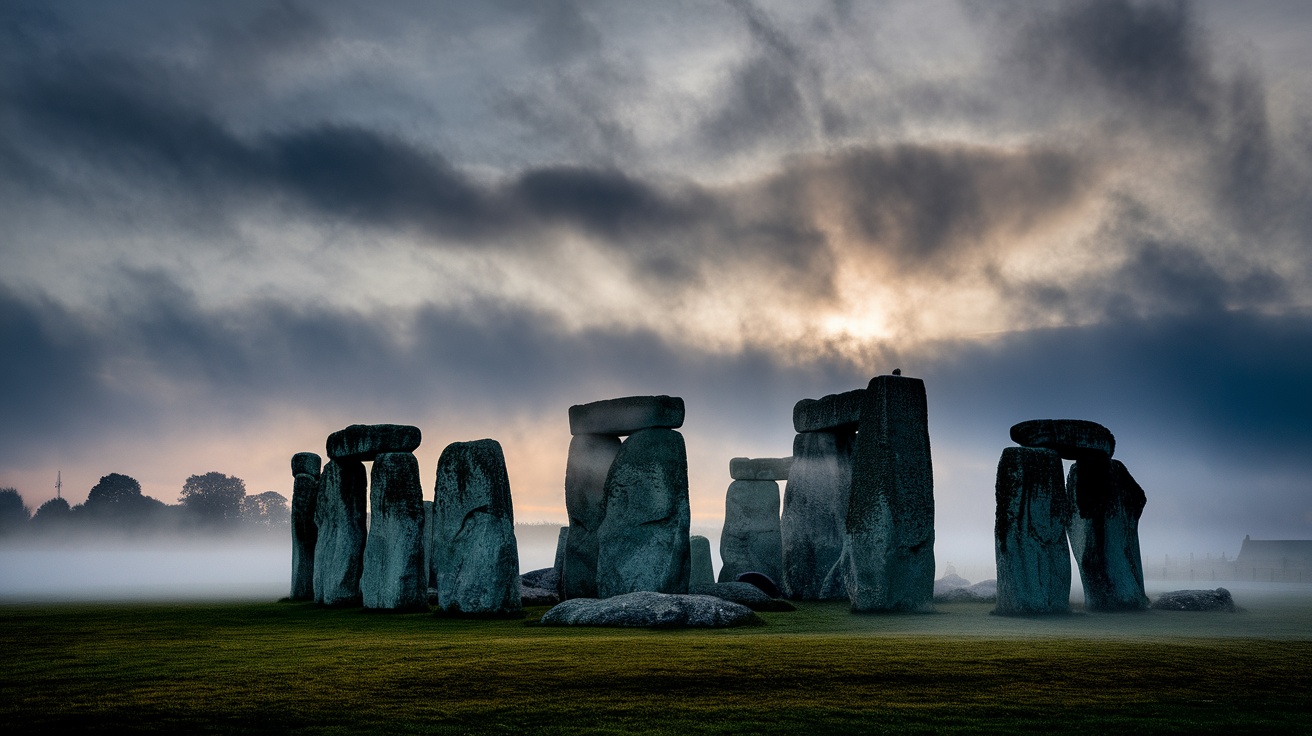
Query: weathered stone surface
x=475 y=549
x=367 y=441
x=530 y=596
x=701 y=570
x=562 y=541
x=1106 y=504
x=429 y=560
x=1196 y=600
x=394 y=576
x=744 y=594
x=760 y=468
x=890 y=517
x=305 y=535
x=751 y=539
x=339 y=515
x=832 y=413
x=761 y=582
x=642 y=544
x=306 y=463
x=1029 y=533
x=626 y=415
x=1070 y=438
x=590 y=458
x=835 y=586
x=646 y=609
x=815 y=511
x=546 y=578
x=539 y=587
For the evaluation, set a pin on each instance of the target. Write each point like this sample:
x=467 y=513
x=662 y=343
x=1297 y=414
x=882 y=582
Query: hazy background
x=227 y=230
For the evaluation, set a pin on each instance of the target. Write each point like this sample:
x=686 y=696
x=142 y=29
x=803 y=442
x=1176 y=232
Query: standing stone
x=430 y=563
x=340 y=517
x=890 y=518
x=477 y=556
x=590 y=458
x=751 y=540
x=562 y=541
x=305 y=535
x=1033 y=559
x=701 y=569
x=394 y=575
x=643 y=540
x=1106 y=504
x=815 y=511
x=626 y=415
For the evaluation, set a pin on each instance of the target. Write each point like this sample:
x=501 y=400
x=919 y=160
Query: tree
x=117 y=500
x=13 y=512
x=214 y=498
x=268 y=509
x=52 y=512
x=114 y=490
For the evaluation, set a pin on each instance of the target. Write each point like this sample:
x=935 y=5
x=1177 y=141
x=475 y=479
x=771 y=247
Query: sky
x=229 y=229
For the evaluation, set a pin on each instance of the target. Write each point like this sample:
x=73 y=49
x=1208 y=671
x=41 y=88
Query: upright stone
x=305 y=534
x=394 y=576
x=815 y=511
x=643 y=540
x=1106 y=504
x=562 y=542
x=1033 y=559
x=701 y=570
x=475 y=549
x=890 y=517
x=751 y=540
x=626 y=415
x=430 y=562
x=590 y=458
x=340 y=518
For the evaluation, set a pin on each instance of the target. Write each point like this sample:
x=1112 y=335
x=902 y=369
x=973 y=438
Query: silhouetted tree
x=214 y=498
x=268 y=509
x=112 y=490
x=52 y=513
x=117 y=500
x=13 y=512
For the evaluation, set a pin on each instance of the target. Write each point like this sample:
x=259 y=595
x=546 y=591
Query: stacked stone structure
x=305 y=534
x=475 y=552
x=752 y=540
x=627 y=501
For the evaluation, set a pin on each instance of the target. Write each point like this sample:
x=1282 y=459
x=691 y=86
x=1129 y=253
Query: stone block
x=305 y=535
x=744 y=594
x=645 y=609
x=752 y=539
x=815 y=511
x=306 y=463
x=626 y=415
x=1106 y=504
x=833 y=413
x=339 y=515
x=760 y=468
x=701 y=570
x=477 y=557
x=1033 y=559
x=367 y=441
x=590 y=458
x=394 y=576
x=1070 y=438
x=1218 y=600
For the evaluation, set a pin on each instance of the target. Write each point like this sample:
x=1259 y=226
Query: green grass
x=287 y=668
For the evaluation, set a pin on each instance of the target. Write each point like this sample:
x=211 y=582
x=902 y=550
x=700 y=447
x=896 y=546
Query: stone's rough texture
x=627 y=415
x=305 y=535
x=590 y=458
x=832 y=413
x=1070 y=438
x=651 y=610
x=475 y=549
x=429 y=560
x=1029 y=534
x=394 y=576
x=340 y=517
x=761 y=582
x=701 y=570
x=1106 y=504
x=1196 y=600
x=835 y=586
x=306 y=463
x=751 y=539
x=562 y=541
x=368 y=441
x=815 y=511
x=744 y=594
x=539 y=587
x=529 y=596
x=546 y=578
x=642 y=544
x=760 y=468
x=890 y=517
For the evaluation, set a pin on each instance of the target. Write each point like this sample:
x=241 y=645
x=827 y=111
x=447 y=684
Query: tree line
x=211 y=502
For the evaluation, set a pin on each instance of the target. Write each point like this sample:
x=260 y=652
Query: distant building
x=1280 y=556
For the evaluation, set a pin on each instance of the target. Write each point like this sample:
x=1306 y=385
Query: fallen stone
x=394 y=577
x=477 y=557
x=1070 y=438
x=531 y=596
x=306 y=463
x=761 y=582
x=1196 y=600
x=744 y=594
x=752 y=539
x=339 y=515
x=367 y=441
x=760 y=468
x=832 y=413
x=1104 y=533
x=590 y=458
x=815 y=511
x=546 y=578
x=701 y=570
x=642 y=544
x=890 y=516
x=305 y=535
x=627 y=415
x=1029 y=533
x=645 y=609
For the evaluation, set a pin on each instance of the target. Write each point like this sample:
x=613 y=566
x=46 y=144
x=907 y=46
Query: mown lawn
x=287 y=668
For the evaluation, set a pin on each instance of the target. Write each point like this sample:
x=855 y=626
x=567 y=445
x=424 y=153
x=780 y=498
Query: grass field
x=288 y=668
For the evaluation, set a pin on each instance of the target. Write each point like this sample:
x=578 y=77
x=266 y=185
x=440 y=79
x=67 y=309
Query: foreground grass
x=282 y=667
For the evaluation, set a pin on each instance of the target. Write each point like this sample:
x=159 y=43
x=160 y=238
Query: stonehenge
x=395 y=576
x=305 y=534
x=751 y=539
x=475 y=552
x=1033 y=559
